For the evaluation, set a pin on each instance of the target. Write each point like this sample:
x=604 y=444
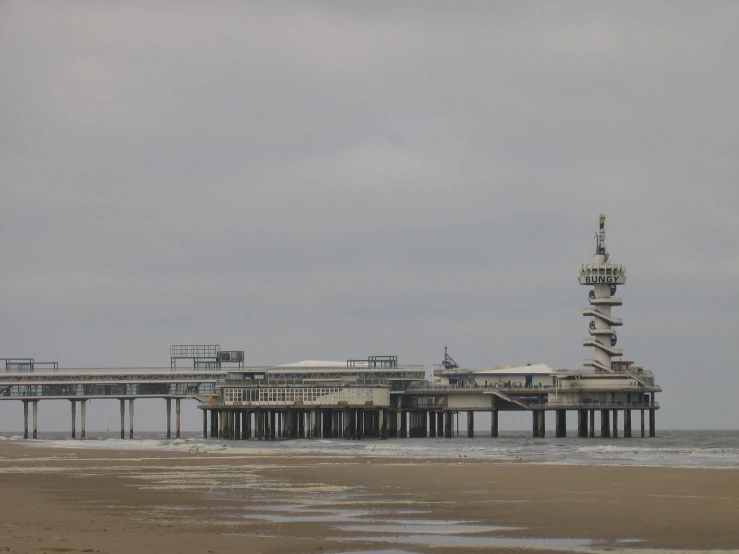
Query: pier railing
x=464 y=386
x=595 y=405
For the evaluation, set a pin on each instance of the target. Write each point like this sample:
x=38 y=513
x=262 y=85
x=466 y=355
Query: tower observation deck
x=604 y=278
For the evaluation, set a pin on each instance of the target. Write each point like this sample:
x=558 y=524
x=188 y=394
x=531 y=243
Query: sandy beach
x=108 y=501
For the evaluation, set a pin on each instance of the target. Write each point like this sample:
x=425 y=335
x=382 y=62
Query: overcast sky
x=331 y=180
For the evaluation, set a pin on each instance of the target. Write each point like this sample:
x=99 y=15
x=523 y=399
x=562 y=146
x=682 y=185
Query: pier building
x=373 y=397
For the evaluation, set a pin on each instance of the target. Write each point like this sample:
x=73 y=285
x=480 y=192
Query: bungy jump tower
x=604 y=278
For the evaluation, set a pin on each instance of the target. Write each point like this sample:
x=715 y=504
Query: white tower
x=603 y=277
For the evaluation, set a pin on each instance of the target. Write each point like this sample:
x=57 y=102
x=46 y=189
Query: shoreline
x=472 y=449
x=269 y=501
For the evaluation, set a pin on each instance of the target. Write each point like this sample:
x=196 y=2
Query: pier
x=368 y=398
x=356 y=401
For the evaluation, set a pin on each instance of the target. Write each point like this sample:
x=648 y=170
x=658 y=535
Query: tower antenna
x=600 y=238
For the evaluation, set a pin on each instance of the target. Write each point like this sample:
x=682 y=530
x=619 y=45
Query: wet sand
x=84 y=500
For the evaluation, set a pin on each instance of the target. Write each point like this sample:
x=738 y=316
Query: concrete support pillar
x=213 y=424
x=403 y=424
x=652 y=428
x=534 y=424
x=470 y=424
x=582 y=423
x=237 y=425
x=432 y=425
x=169 y=418
x=382 y=423
x=130 y=418
x=605 y=427
x=301 y=424
x=642 y=424
x=35 y=419
x=74 y=418
x=25 y=419
x=542 y=424
x=627 y=423
x=494 y=423
x=448 y=425
x=560 y=424
x=123 y=418
x=272 y=427
x=347 y=423
x=292 y=423
x=83 y=416
x=591 y=433
x=258 y=424
x=178 y=420
x=614 y=431
x=205 y=424
x=316 y=424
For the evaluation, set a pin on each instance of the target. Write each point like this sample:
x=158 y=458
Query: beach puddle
x=478 y=542
x=316 y=509
x=279 y=518
x=377 y=552
x=436 y=538
x=430 y=527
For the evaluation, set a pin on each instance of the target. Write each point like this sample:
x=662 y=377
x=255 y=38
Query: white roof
x=534 y=369
x=315 y=363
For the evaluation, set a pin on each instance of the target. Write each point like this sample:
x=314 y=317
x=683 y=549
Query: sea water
x=709 y=449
